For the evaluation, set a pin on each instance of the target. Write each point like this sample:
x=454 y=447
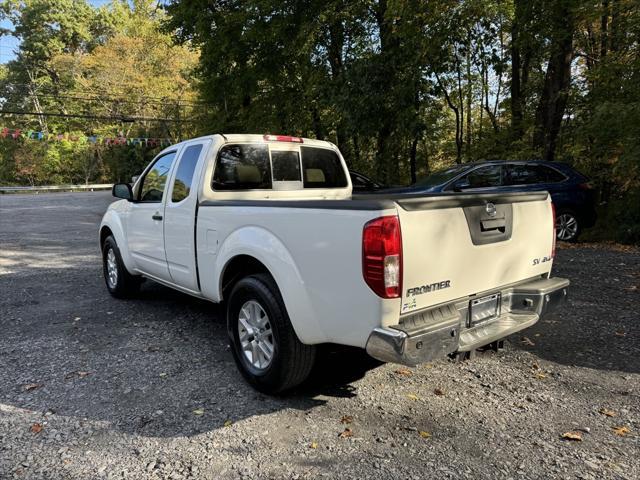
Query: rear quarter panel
x=315 y=256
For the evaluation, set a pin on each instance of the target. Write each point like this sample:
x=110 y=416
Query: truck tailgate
x=455 y=246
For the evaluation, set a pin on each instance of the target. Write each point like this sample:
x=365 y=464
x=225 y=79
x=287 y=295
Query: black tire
x=291 y=361
x=572 y=226
x=125 y=284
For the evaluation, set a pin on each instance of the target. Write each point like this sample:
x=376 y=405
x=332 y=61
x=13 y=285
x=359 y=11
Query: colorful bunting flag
x=100 y=140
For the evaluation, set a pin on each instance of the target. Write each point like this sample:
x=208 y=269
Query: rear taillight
x=282 y=138
x=553 y=219
x=382 y=256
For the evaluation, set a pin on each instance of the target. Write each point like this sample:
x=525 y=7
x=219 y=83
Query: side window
x=550 y=175
x=322 y=168
x=358 y=182
x=523 y=175
x=155 y=180
x=184 y=175
x=532 y=174
x=242 y=167
x=490 y=176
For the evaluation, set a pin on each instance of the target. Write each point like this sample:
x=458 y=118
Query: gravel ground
x=93 y=387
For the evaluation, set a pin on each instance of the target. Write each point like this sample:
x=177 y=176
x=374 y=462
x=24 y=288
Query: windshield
x=440 y=177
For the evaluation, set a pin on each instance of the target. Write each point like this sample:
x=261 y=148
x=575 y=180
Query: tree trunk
x=604 y=24
x=614 y=35
x=468 y=95
x=412 y=158
x=388 y=45
x=456 y=112
x=516 y=92
x=556 y=84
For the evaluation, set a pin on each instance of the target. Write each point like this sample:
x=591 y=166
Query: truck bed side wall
x=315 y=257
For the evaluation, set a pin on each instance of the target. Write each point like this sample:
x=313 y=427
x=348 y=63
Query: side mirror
x=122 y=190
x=461 y=185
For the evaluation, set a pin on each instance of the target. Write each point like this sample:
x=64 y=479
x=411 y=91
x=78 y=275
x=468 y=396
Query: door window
x=184 y=174
x=154 y=182
x=483 y=177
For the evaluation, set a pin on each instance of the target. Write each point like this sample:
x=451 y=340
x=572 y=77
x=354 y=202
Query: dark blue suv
x=572 y=195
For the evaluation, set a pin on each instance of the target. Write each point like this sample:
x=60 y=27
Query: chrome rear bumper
x=434 y=333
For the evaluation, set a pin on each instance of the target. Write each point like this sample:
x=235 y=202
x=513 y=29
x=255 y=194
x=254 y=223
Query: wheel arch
x=254 y=249
x=112 y=225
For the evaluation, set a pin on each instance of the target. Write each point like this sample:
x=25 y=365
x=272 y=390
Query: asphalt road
x=93 y=387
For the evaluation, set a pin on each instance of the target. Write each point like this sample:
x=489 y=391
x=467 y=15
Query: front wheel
x=265 y=347
x=120 y=283
x=567 y=226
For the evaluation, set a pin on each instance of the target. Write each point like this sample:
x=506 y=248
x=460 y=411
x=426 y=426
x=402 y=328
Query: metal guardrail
x=53 y=188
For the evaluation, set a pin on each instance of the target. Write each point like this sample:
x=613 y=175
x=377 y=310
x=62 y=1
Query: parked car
x=363 y=184
x=268 y=225
x=573 y=196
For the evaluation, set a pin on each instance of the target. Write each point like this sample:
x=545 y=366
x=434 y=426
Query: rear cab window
x=258 y=166
x=242 y=167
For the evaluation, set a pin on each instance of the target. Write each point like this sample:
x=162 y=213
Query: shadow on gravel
x=598 y=327
x=157 y=365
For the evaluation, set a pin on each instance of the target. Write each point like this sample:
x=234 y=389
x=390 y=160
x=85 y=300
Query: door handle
x=157 y=216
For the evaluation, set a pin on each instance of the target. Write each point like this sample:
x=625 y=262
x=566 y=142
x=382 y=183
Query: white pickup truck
x=268 y=224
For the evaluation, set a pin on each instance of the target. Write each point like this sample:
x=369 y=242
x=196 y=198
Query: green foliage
x=402 y=87
x=107 y=62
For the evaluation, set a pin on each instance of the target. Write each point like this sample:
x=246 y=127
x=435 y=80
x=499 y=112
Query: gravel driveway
x=93 y=387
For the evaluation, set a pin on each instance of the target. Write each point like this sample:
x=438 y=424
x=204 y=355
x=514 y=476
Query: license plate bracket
x=484 y=309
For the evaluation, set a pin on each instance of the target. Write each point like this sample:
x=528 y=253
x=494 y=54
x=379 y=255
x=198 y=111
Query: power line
x=89 y=91
x=153 y=104
x=94 y=117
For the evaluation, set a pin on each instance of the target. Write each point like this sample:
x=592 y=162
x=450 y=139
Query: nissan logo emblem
x=491 y=209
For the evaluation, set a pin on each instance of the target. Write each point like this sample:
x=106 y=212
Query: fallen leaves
x=439 y=392
x=621 y=431
x=346 y=419
x=198 y=411
x=537 y=371
x=31 y=386
x=404 y=371
x=313 y=445
x=607 y=412
x=347 y=433
x=527 y=341
x=413 y=397
x=424 y=434
x=36 y=428
x=228 y=423
x=573 y=436
x=620 y=333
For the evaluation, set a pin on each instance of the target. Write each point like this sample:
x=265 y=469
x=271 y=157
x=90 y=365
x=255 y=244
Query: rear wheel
x=567 y=226
x=265 y=347
x=120 y=282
